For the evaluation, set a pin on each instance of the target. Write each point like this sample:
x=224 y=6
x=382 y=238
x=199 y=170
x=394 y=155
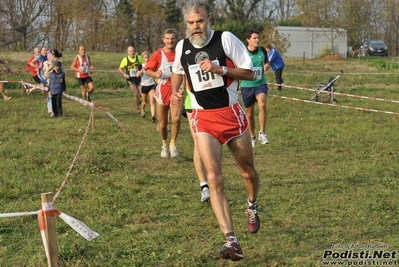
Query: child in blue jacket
x=56 y=87
x=276 y=62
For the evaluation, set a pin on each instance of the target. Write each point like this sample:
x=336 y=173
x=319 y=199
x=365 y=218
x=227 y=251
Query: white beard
x=201 y=39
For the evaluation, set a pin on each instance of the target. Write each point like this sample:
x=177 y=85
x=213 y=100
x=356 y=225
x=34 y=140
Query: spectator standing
x=213 y=63
x=52 y=55
x=5 y=97
x=147 y=89
x=57 y=87
x=32 y=68
x=38 y=63
x=82 y=66
x=159 y=66
x=276 y=62
x=256 y=90
x=46 y=66
x=131 y=68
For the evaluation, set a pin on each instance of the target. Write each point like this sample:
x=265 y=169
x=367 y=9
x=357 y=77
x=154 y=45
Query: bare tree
x=284 y=9
x=22 y=23
x=111 y=25
x=241 y=10
x=149 y=23
x=271 y=36
x=356 y=14
x=391 y=32
x=324 y=14
x=60 y=24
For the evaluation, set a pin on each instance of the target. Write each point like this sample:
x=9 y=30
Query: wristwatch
x=224 y=70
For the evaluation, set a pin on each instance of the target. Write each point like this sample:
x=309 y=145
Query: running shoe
x=205 y=196
x=153 y=119
x=165 y=152
x=253 y=141
x=173 y=151
x=88 y=97
x=6 y=98
x=142 y=113
x=231 y=250
x=253 y=223
x=263 y=138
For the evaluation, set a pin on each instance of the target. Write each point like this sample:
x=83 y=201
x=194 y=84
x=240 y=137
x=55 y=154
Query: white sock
x=250 y=203
x=203 y=183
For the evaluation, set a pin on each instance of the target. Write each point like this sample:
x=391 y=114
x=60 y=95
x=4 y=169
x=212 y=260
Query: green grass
x=328 y=176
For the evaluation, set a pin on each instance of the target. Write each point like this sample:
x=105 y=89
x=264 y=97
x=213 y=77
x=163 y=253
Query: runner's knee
x=249 y=173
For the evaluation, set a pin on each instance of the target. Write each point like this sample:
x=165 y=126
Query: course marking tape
x=17 y=214
x=74 y=159
x=42 y=227
x=337 y=105
x=337 y=93
x=76 y=225
x=85 y=103
x=10 y=81
x=77 y=99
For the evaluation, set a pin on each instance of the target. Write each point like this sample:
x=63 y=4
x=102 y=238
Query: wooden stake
x=51 y=236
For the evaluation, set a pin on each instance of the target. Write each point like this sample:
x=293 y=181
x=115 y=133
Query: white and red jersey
x=145 y=79
x=33 y=70
x=83 y=63
x=163 y=61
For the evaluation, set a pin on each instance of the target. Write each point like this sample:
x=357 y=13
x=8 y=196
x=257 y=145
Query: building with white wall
x=309 y=42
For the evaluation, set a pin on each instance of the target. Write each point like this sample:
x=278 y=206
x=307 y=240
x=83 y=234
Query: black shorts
x=37 y=79
x=145 y=89
x=83 y=81
x=134 y=80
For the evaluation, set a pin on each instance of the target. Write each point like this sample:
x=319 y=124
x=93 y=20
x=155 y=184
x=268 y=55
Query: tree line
x=112 y=25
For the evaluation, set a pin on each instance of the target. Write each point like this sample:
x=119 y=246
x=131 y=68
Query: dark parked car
x=376 y=48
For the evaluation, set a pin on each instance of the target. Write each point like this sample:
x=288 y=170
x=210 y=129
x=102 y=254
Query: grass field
x=329 y=176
